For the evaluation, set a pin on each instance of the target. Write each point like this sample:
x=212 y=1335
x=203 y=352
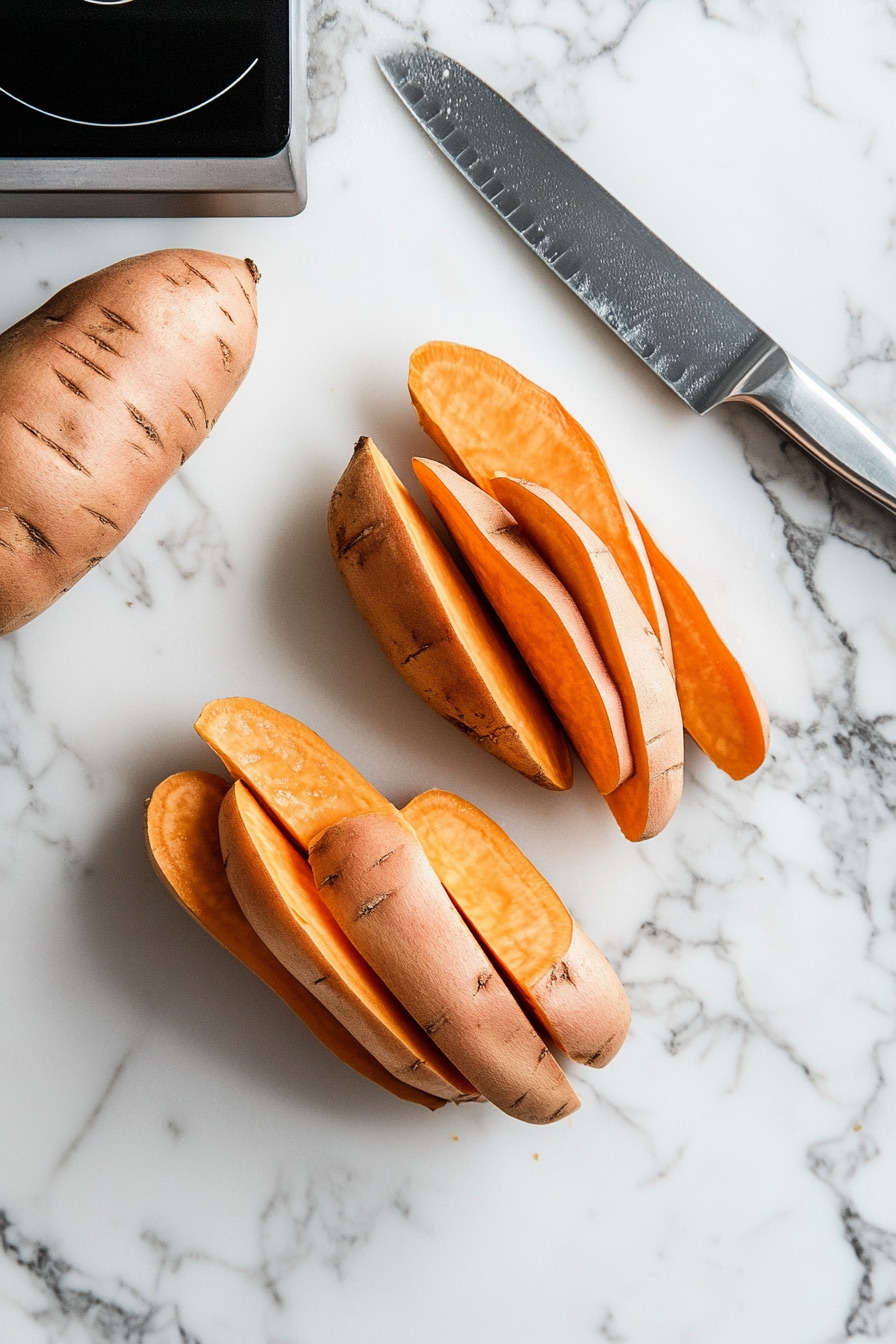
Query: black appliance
x=151 y=107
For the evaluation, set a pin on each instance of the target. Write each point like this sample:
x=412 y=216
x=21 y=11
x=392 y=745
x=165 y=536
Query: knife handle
x=819 y=420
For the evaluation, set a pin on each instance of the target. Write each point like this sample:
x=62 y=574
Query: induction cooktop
x=105 y=104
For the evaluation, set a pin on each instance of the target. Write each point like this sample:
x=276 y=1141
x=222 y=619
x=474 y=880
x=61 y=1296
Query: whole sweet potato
x=105 y=391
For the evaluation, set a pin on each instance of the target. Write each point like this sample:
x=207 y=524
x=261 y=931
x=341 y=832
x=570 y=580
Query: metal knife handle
x=819 y=420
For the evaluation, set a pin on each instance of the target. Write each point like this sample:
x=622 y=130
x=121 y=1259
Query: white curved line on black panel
x=122 y=125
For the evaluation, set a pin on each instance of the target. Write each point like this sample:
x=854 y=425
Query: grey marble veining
x=182 y=1163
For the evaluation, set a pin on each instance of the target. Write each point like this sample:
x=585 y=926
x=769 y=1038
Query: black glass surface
x=143 y=78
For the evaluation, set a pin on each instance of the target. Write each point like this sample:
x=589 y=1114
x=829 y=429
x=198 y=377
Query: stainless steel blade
x=684 y=329
x=688 y=333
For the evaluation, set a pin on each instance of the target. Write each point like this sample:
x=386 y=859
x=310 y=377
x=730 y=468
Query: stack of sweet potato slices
x=598 y=638
x=420 y=946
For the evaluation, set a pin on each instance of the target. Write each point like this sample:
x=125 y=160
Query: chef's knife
x=701 y=346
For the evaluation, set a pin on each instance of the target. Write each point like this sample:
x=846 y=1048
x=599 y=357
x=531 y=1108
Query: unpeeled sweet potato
x=105 y=390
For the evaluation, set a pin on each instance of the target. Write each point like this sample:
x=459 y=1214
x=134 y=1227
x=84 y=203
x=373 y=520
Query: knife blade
x=702 y=347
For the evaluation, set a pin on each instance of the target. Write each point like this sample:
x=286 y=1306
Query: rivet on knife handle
x=702 y=346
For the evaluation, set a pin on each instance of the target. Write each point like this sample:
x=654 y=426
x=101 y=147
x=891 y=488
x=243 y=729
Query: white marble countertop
x=180 y=1160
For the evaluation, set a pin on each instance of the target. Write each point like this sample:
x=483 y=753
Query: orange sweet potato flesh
x=519 y=917
x=431 y=625
x=647 y=800
x=720 y=706
x=540 y=617
x=272 y=882
x=105 y=390
x=301 y=780
x=564 y=979
x=490 y=420
x=182 y=839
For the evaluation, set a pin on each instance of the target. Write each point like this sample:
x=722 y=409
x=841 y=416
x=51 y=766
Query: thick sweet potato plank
x=297 y=775
x=644 y=803
x=182 y=838
x=432 y=627
x=541 y=619
x=552 y=964
x=488 y=419
x=375 y=877
x=720 y=706
x=276 y=893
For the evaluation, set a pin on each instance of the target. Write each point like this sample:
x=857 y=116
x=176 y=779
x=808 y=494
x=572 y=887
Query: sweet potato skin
x=378 y=883
x=105 y=391
x=432 y=627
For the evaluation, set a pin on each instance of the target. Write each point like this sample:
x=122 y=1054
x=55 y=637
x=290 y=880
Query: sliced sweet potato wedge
x=721 y=707
x=374 y=875
x=644 y=803
x=552 y=964
x=297 y=775
x=432 y=627
x=541 y=619
x=182 y=838
x=276 y=892
x=487 y=418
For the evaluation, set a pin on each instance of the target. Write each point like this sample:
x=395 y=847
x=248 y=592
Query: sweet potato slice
x=720 y=706
x=541 y=619
x=487 y=418
x=300 y=779
x=645 y=802
x=552 y=964
x=375 y=877
x=182 y=838
x=276 y=892
x=432 y=627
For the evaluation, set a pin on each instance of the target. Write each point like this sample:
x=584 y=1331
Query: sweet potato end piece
x=583 y=1004
x=432 y=627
